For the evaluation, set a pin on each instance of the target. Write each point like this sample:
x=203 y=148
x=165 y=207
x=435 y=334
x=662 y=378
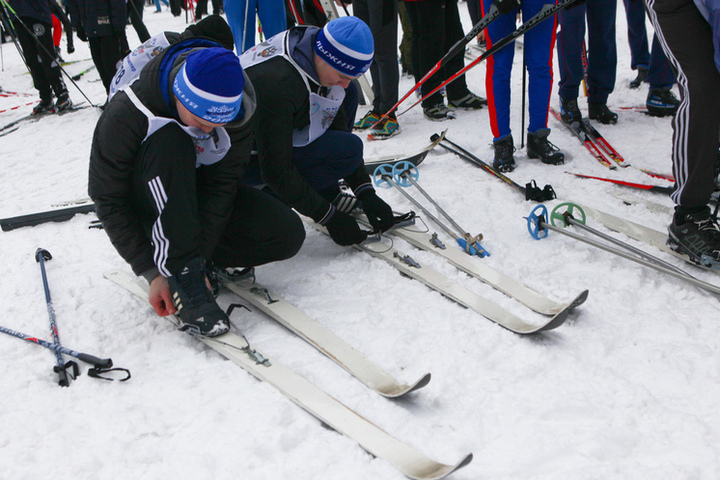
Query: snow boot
x=193 y=298
x=45 y=106
x=696 y=235
x=569 y=111
x=601 y=113
x=504 y=148
x=662 y=102
x=538 y=146
x=468 y=102
x=370 y=119
x=641 y=76
x=438 y=112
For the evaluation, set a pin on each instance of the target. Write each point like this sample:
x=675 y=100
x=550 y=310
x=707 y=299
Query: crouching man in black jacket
x=167 y=157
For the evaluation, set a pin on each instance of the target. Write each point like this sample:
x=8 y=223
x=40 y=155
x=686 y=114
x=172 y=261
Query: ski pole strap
x=65 y=375
x=96 y=372
x=533 y=192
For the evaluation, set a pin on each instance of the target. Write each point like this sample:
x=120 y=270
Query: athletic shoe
x=468 y=102
x=696 y=235
x=504 y=149
x=63 y=102
x=439 y=112
x=387 y=128
x=370 y=119
x=569 y=111
x=538 y=146
x=601 y=113
x=44 y=106
x=641 y=76
x=662 y=102
x=196 y=307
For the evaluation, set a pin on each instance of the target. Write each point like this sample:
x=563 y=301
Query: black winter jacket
x=117 y=140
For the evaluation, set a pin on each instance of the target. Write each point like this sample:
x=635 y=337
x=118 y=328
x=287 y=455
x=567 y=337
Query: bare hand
x=160 y=297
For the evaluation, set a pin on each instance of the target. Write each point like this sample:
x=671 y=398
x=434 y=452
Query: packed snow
x=627 y=388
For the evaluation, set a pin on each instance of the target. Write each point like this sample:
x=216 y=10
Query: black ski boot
x=538 y=146
x=45 y=106
x=193 y=298
x=641 y=76
x=601 y=113
x=569 y=111
x=696 y=235
x=662 y=102
x=63 y=102
x=504 y=148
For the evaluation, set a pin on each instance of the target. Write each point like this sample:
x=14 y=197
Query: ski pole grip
x=98 y=362
x=434 y=137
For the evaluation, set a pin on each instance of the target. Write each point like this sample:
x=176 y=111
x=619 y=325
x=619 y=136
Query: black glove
x=506 y=6
x=574 y=4
x=344 y=230
x=81 y=34
x=378 y=212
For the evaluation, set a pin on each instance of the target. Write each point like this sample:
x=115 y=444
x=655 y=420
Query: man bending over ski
x=306 y=110
x=167 y=157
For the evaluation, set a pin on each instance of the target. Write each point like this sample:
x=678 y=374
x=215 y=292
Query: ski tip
x=437 y=471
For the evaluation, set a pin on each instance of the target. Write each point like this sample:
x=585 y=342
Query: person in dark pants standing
x=652 y=66
x=602 y=59
x=436 y=27
x=538 y=53
x=382 y=18
x=166 y=161
x=34 y=32
x=306 y=110
x=691 y=41
x=135 y=10
x=101 y=23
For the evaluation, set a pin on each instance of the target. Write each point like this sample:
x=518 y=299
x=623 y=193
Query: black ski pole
x=100 y=365
x=41 y=255
x=531 y=191
x=546 y=12
x=459 y=46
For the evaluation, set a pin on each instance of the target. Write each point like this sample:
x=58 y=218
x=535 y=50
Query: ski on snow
x=642 y=233
x=483 y=272
x=312 y=399
x=415 y=159
x=318 y=336
x=442 y=284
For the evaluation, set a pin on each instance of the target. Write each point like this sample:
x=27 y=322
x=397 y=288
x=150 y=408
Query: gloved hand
x=81 y=34
x=344 y=230
x=70 y=46
x=378 y=212
x=506 y=6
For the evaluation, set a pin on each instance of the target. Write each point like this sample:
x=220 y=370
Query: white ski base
x=322 y=339
x=314 y=400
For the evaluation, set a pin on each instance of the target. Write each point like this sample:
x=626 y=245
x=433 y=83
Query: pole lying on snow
x=539 y=227
x=41 y=255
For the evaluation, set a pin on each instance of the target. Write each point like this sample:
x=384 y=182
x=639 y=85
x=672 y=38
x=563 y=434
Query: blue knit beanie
x=210 y=84
x=346 y=43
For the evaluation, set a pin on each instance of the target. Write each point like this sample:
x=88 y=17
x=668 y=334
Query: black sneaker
x=504 y=148
x=468 y=102
x=196 y=306
x=601 y=113
x=569 y=111
x=45 y=106
x=696 y=235
x=538 y=146
x=63 y=102
x=662 y=103
x=641 y=76
x=438 y=112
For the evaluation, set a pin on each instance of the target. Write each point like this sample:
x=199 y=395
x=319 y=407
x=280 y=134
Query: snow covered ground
x=627 y=388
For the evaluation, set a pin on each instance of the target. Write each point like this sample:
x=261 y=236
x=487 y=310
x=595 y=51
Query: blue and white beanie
x=210 y=84
x=346 y=43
